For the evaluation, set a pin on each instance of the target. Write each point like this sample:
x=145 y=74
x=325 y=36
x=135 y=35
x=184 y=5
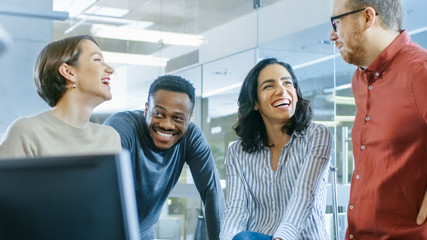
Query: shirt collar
x=386 y=56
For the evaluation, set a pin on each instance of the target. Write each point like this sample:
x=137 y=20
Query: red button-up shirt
x=389 y=138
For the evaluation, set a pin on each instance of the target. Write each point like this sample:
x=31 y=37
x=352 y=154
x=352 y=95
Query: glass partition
x=314 y=60
x=236 y=35
x=221 y=85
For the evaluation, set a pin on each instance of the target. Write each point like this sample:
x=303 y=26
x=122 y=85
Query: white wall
x=29 y=35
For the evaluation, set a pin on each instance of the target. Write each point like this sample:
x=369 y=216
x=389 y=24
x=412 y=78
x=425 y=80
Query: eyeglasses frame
x=334 y=26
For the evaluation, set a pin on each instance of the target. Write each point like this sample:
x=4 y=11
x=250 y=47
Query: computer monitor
x=68 y=197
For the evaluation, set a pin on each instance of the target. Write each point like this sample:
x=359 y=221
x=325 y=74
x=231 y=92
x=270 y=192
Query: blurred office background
x=213 y=43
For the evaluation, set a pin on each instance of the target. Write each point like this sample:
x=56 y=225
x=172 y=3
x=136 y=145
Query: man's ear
x=146 y=108
x=370 y=17
x=67 y=72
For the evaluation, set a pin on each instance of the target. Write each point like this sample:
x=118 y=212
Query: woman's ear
x=256 y=107
x=67 y=72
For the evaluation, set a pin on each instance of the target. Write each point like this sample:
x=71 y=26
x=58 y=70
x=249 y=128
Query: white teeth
x=165 y=135
x=106 y=81
x=282 y=102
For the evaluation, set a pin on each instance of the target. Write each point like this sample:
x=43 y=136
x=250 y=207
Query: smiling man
x=160 y=140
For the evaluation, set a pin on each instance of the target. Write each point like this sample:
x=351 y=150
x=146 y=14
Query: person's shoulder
x=125 y=116
x=235 y=146
x=414 y=52
x=105 y=131
x=193 y=129
x=128 y=114
x=194 y=138
x=317 y=127
x=234 y=149
x=23 y=128
x=26 y=123
x=104 y=128
x=314 y=125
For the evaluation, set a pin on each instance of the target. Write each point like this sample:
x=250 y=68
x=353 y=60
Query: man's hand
x=422 y=214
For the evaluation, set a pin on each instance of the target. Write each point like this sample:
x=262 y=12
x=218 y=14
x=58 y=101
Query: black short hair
x=174 y=84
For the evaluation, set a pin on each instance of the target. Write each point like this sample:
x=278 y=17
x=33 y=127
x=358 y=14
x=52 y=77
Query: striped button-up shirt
x=288 y=203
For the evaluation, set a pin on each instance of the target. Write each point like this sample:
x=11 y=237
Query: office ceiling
x=198 y=16
x=178 y=16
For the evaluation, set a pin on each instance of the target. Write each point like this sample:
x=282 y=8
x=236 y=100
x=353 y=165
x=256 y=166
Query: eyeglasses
x=334 y=25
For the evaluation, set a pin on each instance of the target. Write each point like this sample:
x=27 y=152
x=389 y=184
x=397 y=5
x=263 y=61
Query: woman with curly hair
x=276 y=172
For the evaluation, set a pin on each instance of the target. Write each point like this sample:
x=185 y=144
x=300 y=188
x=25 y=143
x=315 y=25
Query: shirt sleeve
x=18 y=140
x=236 y=214
x=419 y=90
x=315 y=165
x=112 y=133
x=206 y=179
x=122 y=123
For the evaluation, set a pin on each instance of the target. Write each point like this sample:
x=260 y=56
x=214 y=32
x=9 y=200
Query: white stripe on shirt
x=288 y=203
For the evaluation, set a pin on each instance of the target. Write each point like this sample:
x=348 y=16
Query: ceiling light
x=116 y=21
x=109 y=20
x=107 y=11
x=127 y=33
x=73 y=7
x=316 y=61
x=134 y=59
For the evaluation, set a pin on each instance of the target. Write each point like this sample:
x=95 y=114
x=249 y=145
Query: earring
x=74 y=85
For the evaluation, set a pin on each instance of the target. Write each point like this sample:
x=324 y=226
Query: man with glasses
x=388 y=198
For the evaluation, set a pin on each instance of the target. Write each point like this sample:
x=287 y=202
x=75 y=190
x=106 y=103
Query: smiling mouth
x=281 y=103
x=163 y=135
x=106 y=82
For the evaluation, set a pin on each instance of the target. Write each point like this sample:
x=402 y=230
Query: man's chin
x=163 y=146
x=345 y=56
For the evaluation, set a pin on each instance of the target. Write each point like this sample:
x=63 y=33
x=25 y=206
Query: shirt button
x=357 y=177
x=367 y=118
x=377 y=74
x=350 y=236
x=370 y=87
x=351 y=207
x=362 y=147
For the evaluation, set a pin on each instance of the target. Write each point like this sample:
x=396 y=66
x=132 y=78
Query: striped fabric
x=288 y=203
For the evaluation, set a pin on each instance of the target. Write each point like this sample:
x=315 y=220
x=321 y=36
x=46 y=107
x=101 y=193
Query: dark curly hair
x=174 y=84
x=250 y=126
x=50 y=84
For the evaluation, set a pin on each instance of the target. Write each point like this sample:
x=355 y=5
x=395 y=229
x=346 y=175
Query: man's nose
x=167 y=124
x=333 y=36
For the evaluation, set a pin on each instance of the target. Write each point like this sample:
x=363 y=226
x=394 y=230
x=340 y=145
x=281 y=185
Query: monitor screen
x=74 y=197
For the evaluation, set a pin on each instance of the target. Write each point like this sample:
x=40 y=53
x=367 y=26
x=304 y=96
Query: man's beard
x=356 y=53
